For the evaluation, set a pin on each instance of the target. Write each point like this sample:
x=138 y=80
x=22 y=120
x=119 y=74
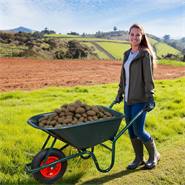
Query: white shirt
x=131 y=57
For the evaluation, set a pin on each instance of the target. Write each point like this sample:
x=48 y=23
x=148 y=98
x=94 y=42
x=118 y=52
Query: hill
x=177 y=43
x=19 y=29
x=59 y=46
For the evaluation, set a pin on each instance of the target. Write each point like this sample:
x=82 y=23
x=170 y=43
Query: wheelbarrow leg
x=50 y=149
x=112 y=159
x=46 y=142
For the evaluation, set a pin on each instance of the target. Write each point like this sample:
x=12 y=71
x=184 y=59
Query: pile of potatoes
x=73 y=113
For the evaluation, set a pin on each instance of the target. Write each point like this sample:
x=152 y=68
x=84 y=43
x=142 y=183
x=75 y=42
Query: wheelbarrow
x=50 y=164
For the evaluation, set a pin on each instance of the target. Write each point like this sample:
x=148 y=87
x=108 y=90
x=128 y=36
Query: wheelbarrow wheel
x=50 y=174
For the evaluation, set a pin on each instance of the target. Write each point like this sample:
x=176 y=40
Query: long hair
x=145 y=44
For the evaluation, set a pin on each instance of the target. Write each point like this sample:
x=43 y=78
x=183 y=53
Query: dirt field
x=27 y=74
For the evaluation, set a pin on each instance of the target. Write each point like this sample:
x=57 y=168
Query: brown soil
x=27 y=74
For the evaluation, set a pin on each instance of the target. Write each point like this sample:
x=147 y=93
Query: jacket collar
x=139 y=55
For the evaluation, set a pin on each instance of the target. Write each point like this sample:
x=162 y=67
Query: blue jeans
x=136 y=130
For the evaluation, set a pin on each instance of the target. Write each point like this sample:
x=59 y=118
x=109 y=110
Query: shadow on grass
x=72 y=179
x=108 y=178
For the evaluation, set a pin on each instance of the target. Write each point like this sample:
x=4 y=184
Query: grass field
x=100 y=54
x=18 y=140
x=116 y=49
x=164 y=49
x=171 y=62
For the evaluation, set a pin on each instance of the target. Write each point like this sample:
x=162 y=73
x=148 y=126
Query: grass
x=100 y=54
x=19 y=140
x=116 y=49
x=61 y=35
x=11 y=50
x=164 y=49
x=166 y=173
x=171 y=62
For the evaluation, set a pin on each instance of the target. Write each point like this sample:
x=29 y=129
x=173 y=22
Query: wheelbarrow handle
x=129 y=124
x=112 y=104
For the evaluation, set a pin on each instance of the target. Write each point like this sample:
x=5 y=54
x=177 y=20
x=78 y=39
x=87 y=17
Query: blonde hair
x=145 y=44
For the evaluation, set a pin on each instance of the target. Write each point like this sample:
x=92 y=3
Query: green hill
x=58 y=46
x=117 y=47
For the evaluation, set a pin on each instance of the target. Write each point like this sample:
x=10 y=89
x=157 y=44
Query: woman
x=136 y=83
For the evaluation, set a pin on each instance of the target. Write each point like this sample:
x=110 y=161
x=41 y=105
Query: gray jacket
x=141 y=83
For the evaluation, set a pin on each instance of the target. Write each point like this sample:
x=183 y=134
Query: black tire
x=51 y=174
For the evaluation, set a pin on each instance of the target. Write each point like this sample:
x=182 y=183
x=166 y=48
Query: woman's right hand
x=150 y=105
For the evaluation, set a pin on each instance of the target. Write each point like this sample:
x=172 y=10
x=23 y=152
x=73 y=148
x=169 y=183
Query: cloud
x=92 y=15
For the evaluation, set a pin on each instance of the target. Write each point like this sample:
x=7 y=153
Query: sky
x=158 y=17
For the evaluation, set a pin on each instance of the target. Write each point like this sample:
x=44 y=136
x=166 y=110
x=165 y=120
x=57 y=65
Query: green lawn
x=116 y=49
x=171 y=62
x=166 y=124
x=100 y=54
x=164 y=49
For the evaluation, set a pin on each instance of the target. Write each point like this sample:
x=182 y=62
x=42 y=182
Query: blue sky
x=159 y=17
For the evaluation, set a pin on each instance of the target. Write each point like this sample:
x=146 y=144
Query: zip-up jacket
x=141 y=83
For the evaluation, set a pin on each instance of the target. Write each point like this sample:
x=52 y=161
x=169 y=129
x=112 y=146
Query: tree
x=47 y=31
x=73 y=33
x=183 y=52
x=166 y=38
x=115 y=28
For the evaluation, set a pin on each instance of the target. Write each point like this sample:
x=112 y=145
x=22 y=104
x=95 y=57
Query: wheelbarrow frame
x=82 y=152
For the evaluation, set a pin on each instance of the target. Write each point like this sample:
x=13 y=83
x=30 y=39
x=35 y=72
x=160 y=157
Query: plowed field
x=27 y=74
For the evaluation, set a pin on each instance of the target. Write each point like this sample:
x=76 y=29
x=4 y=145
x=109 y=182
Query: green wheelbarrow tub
x=84 y=135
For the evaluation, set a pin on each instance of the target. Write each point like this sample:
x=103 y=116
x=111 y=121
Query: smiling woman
x=137 y=85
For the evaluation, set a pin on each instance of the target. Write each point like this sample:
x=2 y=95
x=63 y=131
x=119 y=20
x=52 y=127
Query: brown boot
x=154 y=155
x=138 y=150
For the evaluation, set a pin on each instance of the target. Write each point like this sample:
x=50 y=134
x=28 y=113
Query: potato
x=77 y=116
x=91 y=113
x=84 y=115
x=95 y=109
x=58 y=125
x=69 y=113
x=74 y=121
x=55 y=118
x=77 y=102
x=87 y=107
x=65 y=121
x=57 y=111
x=95 y=117
x=61 y=114
x=73 y=113
x=80 y=110
x=71 y=108
x=53 y=123
x=41 y=119
x=41 y=124
x=64 y=106
x=89 y=118
x=81 y=119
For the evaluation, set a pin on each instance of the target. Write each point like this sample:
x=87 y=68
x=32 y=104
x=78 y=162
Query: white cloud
x=92 y=15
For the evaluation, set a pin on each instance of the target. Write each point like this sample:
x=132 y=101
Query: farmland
x=28 y=74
